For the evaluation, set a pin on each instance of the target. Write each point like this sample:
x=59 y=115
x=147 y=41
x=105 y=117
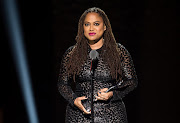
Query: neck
x=96 y=45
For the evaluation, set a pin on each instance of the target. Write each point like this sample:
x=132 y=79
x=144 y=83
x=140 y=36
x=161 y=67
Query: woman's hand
x=77 y=102
x=104 y=96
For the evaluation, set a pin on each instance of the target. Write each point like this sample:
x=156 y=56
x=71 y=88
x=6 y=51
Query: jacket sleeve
x=64 y=82
x=129 y=77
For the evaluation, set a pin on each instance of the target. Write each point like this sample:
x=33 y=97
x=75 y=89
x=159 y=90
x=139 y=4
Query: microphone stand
x=92 y=89
x=94 y=55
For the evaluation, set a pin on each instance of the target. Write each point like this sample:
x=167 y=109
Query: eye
x=96 y=24
x=86 y=24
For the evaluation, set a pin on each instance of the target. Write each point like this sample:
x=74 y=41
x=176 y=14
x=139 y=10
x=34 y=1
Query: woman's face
x=93 y=27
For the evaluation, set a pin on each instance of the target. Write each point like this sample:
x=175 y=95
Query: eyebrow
x=89 y=22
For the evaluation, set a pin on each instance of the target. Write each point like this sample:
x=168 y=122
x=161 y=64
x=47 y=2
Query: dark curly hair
x=78 y=56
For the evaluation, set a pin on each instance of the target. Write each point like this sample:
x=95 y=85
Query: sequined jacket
x=109 y=111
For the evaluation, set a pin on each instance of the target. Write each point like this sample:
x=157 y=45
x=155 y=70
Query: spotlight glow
x=16 y=42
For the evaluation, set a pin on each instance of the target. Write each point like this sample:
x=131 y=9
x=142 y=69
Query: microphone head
x=94 y=54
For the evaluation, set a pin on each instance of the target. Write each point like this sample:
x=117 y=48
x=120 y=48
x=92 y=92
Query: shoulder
x=68 y=52
x=69 y=49
x=122 y=49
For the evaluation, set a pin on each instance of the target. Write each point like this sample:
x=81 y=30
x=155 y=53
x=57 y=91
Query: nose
x=91 y=28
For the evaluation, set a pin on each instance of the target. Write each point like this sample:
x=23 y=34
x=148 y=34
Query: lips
x=91 y=34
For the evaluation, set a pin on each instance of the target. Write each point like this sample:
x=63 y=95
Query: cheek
x=100 y=31
x=84 y=30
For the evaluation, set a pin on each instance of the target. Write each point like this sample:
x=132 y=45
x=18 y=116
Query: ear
x=104 y=27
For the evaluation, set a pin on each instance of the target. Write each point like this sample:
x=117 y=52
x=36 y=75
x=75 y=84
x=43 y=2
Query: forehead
x=91 y=17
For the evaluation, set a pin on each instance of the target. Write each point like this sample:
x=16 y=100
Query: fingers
x=104 y=89
x=85 y=111
x=82 y=98
x=79 y=104
x=82 y=107
x=102 y=96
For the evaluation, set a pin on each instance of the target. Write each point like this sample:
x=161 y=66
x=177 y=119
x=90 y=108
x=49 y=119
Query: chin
x=92 y=39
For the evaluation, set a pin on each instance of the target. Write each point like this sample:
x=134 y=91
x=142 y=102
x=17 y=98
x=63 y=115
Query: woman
x=114 y=67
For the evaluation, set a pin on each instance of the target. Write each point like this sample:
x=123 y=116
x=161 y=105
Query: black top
x=112 y=110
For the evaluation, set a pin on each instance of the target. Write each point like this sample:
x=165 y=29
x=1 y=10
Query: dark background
x=146 y=28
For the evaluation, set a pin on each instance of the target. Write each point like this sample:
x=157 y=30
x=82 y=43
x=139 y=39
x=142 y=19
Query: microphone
x=93 y=54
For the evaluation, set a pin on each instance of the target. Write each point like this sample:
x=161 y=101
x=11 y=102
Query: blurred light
x=16 y=42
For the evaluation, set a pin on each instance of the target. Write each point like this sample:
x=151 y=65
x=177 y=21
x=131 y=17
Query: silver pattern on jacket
x=111 y=111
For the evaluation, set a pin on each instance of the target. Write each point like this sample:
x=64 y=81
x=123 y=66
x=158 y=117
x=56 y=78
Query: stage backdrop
x=146 y=28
